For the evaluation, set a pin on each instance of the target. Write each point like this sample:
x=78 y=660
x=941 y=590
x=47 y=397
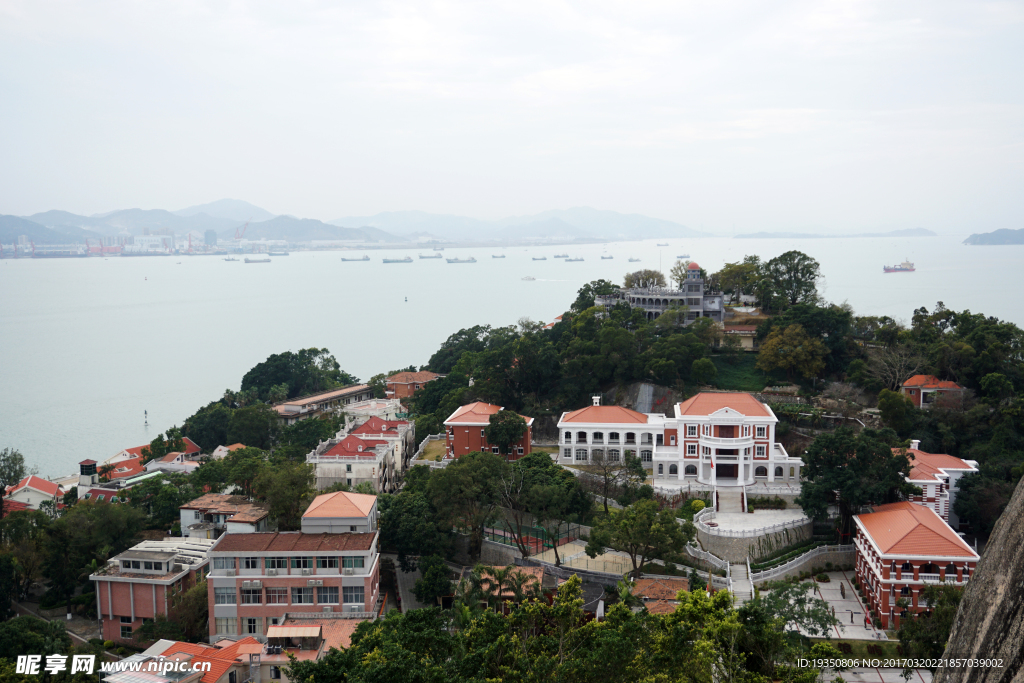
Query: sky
x=729 y=116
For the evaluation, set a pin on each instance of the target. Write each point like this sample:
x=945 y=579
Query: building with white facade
x=937 y=474
x=715 y=439
x=692 y=296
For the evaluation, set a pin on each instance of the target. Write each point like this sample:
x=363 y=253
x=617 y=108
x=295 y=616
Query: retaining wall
x=848 y=557
x=737 y=549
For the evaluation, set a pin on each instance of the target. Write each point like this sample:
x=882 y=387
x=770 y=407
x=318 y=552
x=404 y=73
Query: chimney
x=915 y=444
x=597 y=400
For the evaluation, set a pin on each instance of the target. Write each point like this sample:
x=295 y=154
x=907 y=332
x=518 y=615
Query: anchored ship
x=905 y=267
x=257 y=260
x=461 y=260
x=407 y=259
x=365 y=258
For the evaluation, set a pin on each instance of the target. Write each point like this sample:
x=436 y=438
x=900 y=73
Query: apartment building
x=214 y=514
x=938 y=476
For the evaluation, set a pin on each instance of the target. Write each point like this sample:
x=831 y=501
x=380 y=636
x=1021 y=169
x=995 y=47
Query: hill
x=1003 y=236
x=306 y=230
x=909 y=232
x=12 y=227
x=230 y=209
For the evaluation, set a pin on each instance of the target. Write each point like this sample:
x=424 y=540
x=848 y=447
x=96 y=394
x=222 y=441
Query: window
x=352 y=594
x=223 y=563
x=276 y=562
x=126 y=633
x=760 y=451
x=251 y=562
x=519 y=450
x=277 y=596
x=126 y=620
x=691 y=449
x=302 y=596
x=252 y=596
x=275 y=673
x=581 y=453
x=630 y=437
x=673 y=469
x=567 y=453
x=254 y=626
x=613 y=437
x=568 y=437
x=691 y=430
x=302 y=563
x=327 y=595
x=761 y=471
x=482 y=433
x=327 y=563
x=226 y=624
x=613 y=454
x=646 y=456
x=197 y=515
x=494 y=449
x=760 y=431
x=352 y=562
x=778 y=472
x=232 y=677
x=126 y=564
x=792 y=471
x=691 y=470
x=352 y=527
x=136 y=564
x=224 y=596
x=348 y=468
x=598 y=437
x=661 y=468
x=581 y=437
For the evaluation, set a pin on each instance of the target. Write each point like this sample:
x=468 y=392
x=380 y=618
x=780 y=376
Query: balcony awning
x=293 y=632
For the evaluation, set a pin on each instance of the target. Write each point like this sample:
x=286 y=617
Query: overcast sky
x=758 y=115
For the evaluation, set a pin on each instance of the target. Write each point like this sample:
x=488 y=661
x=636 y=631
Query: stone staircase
x=730 y=500
x=741 y=586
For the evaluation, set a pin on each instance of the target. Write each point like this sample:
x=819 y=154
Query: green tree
x=897 y=411
x=703 y=371
x=32 y=636
x=644 y=278
x=306 y=371
x=287 y=488
x=643 y=532
x=855 y=470
x=465 y=495
x=925 y=636
x=739 y=278
x=678 y=272
x=241 y=467
x=12 y=470
x=208 y=427
x=154 y=629
x=505 y=429
x=407 y=527
x=9 y=589
x=996 y=387
x=435 y=580
x=792 y=350
x=306 y=435
x=981 y=500
x=255 y=426
x=191 y=612
x=585 y=295
x=793 y=278
x=162 y=498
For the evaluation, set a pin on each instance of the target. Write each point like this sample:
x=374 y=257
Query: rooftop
x=238 y=507
x=413 y=377
x=478 y=413
x=657 y=588
x=376 y=425
x=605 y=415
x=354 y=445
x=293 y=541
x=335 y=632
x=37 y=483
x=708 y=402
x=341 y=504
x=325 y=396
x=930 y=382
x=929 y=466
x=907 y=529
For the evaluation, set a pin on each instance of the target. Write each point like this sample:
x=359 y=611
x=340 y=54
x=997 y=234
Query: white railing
x=724 y=441
x=705 y=556
x=749 y=533
x=781 y=570
x=929 y=578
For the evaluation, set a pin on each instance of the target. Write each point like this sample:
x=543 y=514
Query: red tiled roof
x=220 y=659
x=87 y=462
x=14 y=506
x=126 y=468
x=376 y=425
x=693 y=266
x=341 y=504
x=930 y=382
x=335 y=632
x=706 y=403
x=293 y=541
x=478 y=413
x=606 y=415
x=353 y=445
x=908 y=529
x=37 y=483
x=240 y=509
x=660 y=607
x=412 y=377
x=929 y=466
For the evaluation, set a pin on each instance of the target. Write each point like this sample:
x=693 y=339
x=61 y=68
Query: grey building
x=656 y=300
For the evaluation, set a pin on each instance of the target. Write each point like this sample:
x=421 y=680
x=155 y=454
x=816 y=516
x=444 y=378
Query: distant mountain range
x=1003 y=236
x=226 y=215
x=910 y=232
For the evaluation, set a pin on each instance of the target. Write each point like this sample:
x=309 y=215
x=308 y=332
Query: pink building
x=142 y=583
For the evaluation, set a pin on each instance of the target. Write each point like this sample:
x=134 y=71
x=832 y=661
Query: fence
x=781 y=570
x=705 y=556
x=702 y=518
x=535 y=538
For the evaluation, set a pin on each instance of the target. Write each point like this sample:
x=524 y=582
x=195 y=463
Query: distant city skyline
x=797 y=116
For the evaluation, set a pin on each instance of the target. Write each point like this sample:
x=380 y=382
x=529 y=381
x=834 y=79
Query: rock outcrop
x=990 y=621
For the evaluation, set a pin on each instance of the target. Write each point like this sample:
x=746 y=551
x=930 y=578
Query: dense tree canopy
x=306 y=371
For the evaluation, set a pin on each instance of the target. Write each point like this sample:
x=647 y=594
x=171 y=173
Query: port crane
x=240 y=234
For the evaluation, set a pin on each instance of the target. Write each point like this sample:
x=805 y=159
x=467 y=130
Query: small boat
x=905 y=267
x=256 y=260
x=540 y=258
x=497 y=256
x=662 y=244
x=683 y=256
x=573 y=260
x=461 y=260
x=365 y=258
x=607 y=258
x=230 y=259
x=529 y=278
x=634 y=260
x=430 y=256
x=438 y=248
x=561 y=256
x=407 y=259
x=277 y=253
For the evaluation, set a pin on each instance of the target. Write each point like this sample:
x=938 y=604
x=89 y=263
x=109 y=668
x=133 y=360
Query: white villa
x=716 y=439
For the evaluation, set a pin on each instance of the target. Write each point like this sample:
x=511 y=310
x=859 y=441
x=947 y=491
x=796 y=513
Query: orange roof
x=37 y=483
x=478 y=413
x=126 y=468
x=235 y=446
x=238 y=507
x=605 y=414
x=905 y=529
x=693 y=266
x=220 y=659
x=335 y=632
x=930 y=382
x=660 y=589
x=660 y=607
x=353 y=445
x=325 y=396
x=412 y=377
x=929 y=466
x=706 y=403
x=341 y=504
x=376 y=425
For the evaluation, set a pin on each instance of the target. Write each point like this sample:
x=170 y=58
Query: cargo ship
x=498 y=256
x=431 y=256
x=905 y=267
x=561 y=256
x=365 y=258
x=573 y=260
x=256 y=260
x=461 y=260
x=407 y=259
x=607 y=258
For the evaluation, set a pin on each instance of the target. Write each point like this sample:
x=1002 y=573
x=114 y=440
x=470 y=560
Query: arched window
x=581 y=453
x=631 y=438
x=613 y=437
x=950 y=570
x=597 y=455
x=778 y=471
x=907 y=567
x=691 y=470
x=568 y=437
x=581 y=437
x=930 y=568
x=613 y=454
x=905 y=590
x=661 y=468
x=673 y=469
x=598 y=437
x=761 y=472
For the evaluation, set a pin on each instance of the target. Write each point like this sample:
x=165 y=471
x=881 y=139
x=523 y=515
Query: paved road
x=406 y=580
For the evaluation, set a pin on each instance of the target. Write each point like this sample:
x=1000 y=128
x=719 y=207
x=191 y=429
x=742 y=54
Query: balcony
x=742 y=442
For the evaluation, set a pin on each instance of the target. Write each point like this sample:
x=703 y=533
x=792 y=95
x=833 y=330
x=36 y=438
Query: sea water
x=88 y=345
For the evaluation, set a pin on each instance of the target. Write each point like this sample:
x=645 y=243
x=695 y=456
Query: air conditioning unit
x=229 y=572
x=305 y=572
x=311 y=582
x=348 y=571
x=353 y=608
x=318 y=582
x=257 y=584
x=271 y=572
x=247 y=584
x=328 y=608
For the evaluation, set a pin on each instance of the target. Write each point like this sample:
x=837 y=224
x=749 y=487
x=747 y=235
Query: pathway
x=406 y=580
x=730 y=500
x=644 y=398
x=741 y=586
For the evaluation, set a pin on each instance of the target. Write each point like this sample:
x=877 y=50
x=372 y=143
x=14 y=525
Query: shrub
x=845 y=648
x=828 y=566
x=697 y=505
x=822 y=578
x=107 y=644
x=873 y=649
x=121 y=651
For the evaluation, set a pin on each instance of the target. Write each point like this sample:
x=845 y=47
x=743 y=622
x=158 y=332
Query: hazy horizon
x=800 y=116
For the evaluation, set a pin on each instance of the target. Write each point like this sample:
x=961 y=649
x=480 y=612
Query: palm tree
x=624 y=591
x=495 y=582
x=524 y=587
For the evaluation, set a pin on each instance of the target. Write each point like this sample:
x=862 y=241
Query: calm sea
x=87 y=345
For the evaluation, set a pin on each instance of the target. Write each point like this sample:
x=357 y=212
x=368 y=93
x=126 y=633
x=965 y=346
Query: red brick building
x=465 y=431
x=925 y=390
x=901 y=548
x=405 y=384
